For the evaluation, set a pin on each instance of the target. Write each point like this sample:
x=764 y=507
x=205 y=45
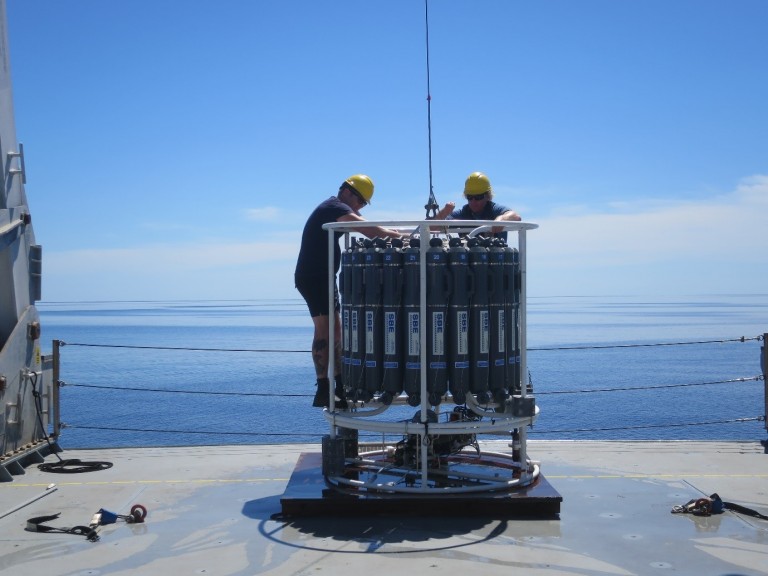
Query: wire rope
x=741 y=339
x=431 y=206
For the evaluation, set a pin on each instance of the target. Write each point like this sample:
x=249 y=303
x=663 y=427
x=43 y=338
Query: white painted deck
x=210 y=513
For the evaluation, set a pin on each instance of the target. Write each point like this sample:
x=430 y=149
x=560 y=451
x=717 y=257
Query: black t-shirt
x=313 y=255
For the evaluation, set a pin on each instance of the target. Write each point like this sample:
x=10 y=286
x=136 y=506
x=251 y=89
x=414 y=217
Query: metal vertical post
x=331 y=325
x=764 y=363
x=56 y=389
x=425 y=442
x=523 y=433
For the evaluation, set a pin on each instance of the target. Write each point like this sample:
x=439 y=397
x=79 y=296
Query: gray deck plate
x=212 y=511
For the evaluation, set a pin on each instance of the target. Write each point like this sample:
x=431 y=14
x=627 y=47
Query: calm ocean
x=240 y=372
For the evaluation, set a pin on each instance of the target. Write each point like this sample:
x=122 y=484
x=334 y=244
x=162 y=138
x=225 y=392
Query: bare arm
x=509 y=215
x=369 y=231
x=442 y=214
x=445 y=211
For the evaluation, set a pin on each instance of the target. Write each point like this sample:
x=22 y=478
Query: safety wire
x=431 y=206
x=69 y=466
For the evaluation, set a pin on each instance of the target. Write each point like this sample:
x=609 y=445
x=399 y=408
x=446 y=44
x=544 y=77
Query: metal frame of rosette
x=468 y=472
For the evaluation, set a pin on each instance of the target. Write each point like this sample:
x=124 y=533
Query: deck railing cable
x=318 y=435
x=242 y=433
x=530 y=349
x=755 y=378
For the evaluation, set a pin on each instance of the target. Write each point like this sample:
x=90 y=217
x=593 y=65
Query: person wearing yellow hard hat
x=480 y=205
x=311 y=275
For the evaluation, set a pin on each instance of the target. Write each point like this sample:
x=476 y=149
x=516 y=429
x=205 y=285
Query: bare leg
x=320 y=346
x=320 y=352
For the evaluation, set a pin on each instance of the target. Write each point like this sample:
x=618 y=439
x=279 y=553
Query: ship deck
x=215 y=510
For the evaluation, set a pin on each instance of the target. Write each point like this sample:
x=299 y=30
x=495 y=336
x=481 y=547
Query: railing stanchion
x=56 y=390
x=764 y=365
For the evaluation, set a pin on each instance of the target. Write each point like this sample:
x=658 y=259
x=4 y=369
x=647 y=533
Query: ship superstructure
x=25 y=382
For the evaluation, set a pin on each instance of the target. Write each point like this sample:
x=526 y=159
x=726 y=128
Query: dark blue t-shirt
x=491 y=211
x=313 y=255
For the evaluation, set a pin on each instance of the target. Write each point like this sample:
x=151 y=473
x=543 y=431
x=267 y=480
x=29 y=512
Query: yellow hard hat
x=361 y=184
x=477 y=183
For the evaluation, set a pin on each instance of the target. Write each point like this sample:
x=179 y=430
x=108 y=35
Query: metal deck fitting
x=308 y=493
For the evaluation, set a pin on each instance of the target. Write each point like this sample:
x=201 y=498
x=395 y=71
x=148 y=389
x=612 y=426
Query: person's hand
x=445 y=211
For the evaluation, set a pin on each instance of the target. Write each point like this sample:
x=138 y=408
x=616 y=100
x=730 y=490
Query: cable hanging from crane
x=431 y=206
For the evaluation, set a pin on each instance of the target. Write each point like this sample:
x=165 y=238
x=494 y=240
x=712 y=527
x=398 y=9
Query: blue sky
x=175 y=148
